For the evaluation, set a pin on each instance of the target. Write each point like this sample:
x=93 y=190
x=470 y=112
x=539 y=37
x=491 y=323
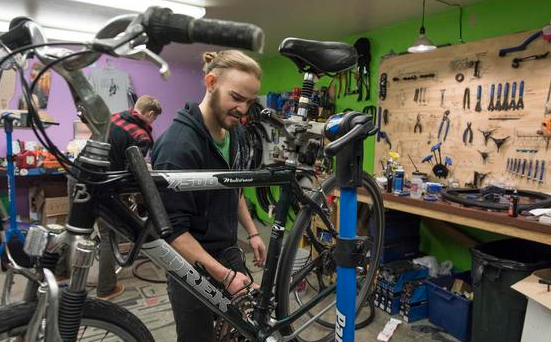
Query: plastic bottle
x=513 y=204
x=416 y=186
x=398 y=181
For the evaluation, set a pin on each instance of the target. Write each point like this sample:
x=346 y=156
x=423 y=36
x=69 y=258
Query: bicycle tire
x=284 y=292
x=97 y=314
x=454 y=195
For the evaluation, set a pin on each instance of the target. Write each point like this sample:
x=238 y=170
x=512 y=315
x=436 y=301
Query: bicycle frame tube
x=160 y=252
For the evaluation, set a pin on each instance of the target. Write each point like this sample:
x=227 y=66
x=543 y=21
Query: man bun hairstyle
x=230 y=59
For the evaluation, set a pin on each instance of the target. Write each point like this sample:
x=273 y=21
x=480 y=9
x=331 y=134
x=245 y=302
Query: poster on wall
x=42 y=89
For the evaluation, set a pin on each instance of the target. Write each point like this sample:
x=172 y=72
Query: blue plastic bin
x=448 y=310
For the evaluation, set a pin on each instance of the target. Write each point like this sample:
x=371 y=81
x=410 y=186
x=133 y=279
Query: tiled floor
x=150 y=303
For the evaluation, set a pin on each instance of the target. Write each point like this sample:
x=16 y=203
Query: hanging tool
x=445 y=119
x=498 y=99
x=440 y=170
x=536 y=170
x=499 y=142
x=442 y=91
x=520 y=103
x=416 y=95
x=476 y=65
x=433 y=150
x=529 y=169
x=415 y=166
x=485 y=156
x=385 y=117
x=486 y=135
x=459 y=77
x=467 y=98
x=380 y=133
x=448 y=161
x=506 y=166
x=478 y=107
x=542 y=171
x=516 y=61
x=547 y=102
x=479 y=178
x=418 y=125
x=491 y=105
x=514 y=167
x=518 y=167
x=521 y=47
x=505 y=105
x=513 y=103
x=523 y=168
x=468 y=134
x=427 y=159
x=382 y=86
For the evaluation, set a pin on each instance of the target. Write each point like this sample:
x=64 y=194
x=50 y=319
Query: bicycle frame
x=114 y=212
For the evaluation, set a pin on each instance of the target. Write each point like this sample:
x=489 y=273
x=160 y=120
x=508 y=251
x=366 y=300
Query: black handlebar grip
x=334 y=147
x=227 y=33
x=149 y=191
x=163 y=27
x=18 y=34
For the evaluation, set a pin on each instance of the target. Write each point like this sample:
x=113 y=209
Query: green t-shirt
x=224 y=147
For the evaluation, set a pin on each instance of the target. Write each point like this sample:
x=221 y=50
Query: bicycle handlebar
x=162 y=26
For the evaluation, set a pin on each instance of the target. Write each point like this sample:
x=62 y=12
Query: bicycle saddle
x=319 y=57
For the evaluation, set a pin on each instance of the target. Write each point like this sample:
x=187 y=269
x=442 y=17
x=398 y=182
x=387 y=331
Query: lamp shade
x=422 y=44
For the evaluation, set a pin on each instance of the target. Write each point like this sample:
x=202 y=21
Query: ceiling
x=319 y=19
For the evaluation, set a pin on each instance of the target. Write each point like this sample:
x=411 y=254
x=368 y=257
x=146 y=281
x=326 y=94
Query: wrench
x=491 y=105
x=505 y=105
x=478 y=107
x=513 y=104
x=498 y=100
x=520 y=104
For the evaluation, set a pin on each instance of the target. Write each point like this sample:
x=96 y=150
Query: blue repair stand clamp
x=350 y=250
x=8 y=119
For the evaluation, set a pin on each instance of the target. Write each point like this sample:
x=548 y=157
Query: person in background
x=128 y=128
x=206 y=136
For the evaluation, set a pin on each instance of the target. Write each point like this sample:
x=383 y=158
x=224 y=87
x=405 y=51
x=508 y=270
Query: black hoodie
x=209 y=216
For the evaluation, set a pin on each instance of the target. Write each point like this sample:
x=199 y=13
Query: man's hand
x=238 y=283
x=259 y=250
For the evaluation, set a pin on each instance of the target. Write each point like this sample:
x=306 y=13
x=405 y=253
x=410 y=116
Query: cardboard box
x=55 y=209
x=48 y=202
x=538 y=311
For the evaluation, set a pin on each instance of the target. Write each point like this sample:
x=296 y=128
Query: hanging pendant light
x=422 y=44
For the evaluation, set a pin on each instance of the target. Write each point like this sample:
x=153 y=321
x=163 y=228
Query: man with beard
x=206 y=136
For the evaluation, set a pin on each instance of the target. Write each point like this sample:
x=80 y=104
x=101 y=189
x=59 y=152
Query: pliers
x=468 y=134
x=418 y=125
x=445 y=119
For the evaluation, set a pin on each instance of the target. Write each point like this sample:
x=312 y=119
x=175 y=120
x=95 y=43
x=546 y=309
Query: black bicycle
x=295 y=293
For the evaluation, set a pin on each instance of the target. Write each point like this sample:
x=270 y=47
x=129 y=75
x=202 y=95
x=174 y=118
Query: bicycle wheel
x=101 y=321
x=304 y=272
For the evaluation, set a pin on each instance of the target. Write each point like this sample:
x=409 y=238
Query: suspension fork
x=262 y=314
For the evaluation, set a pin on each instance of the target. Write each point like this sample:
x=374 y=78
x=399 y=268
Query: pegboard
x=436 y=73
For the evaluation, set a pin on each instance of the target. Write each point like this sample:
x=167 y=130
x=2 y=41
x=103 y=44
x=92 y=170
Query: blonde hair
x=145 y=103
x=230 y=59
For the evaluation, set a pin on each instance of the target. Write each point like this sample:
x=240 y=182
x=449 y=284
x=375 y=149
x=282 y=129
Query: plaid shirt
x=127 y=129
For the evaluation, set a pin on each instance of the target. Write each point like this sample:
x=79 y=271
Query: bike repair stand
x=350 y=249
x=8 y=119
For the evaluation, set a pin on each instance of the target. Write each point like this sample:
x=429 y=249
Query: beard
x=220 y=114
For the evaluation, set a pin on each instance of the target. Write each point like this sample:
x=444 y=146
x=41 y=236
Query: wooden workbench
x=496 y=222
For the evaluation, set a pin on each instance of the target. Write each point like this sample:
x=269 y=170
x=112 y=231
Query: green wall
x=481 y=20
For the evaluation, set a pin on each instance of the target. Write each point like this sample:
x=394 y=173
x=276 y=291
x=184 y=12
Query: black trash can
x=498 y=310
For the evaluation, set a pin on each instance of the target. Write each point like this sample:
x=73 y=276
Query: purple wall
x=185 y=84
